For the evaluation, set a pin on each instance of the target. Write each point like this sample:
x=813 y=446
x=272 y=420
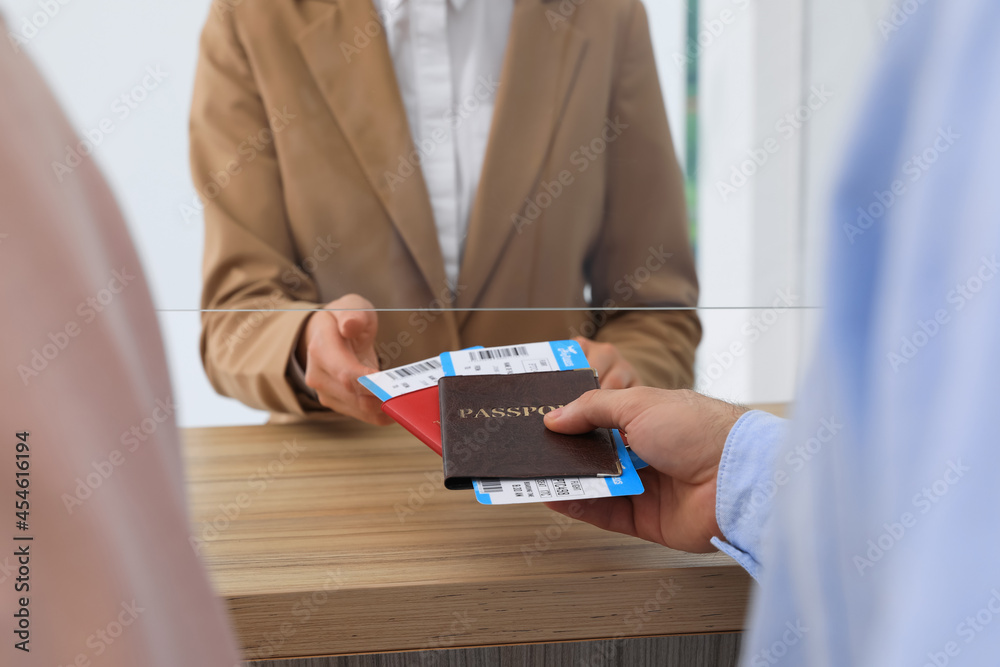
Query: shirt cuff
x=308 y=398
x=742 y=501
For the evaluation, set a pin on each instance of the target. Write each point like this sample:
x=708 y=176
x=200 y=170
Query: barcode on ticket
x=491 y=485
x=546 y=489
x=509 y=359
x=499 y=353
x=395 y=382
x=414 y=369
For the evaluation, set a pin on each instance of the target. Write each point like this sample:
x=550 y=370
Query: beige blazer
x=302 y=155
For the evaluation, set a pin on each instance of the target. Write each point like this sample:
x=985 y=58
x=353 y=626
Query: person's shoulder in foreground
x=880 y=548
x=108 y=575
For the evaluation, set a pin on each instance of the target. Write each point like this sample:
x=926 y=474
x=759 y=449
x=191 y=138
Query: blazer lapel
x=359 y=86
x=539 y=70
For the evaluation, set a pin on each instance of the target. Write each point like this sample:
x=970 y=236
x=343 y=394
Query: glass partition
x=657 y=180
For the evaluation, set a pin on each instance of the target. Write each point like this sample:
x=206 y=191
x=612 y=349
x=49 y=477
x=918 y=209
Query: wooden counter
x=338 y=539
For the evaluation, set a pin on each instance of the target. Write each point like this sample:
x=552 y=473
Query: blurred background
x=761 y=96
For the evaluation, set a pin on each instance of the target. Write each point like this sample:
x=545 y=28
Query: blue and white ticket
x=561 y=355
x=536 y=358
x=555 y=489
x=405 y=379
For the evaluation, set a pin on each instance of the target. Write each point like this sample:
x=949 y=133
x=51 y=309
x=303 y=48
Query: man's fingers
x=366 y=411
x=597 y=355
x=359 y=326
x=351 y=302
x=613 y=514
x=333 y=371
x=613 y=370
x=339 y=352
x=620 y=376
x=348 y=400
x=337 y=357
x=370 y=409
x=595 y=409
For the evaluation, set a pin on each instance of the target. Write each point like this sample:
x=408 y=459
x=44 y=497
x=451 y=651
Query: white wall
x=668 y=26
x=843 y=49
x=750 y=78
x=762 y=60
x=94 y=51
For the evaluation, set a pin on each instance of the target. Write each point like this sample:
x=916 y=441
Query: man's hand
x=681 y=435
x=337 y=347
x=613 y=371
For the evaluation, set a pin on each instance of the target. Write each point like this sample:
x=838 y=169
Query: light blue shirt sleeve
x=882 y=548
x=747 y=482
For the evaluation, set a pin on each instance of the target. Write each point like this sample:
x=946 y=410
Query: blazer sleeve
x=249 y=264
x=643 y=254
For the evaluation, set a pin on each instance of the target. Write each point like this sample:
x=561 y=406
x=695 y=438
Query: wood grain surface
x=674 y=651
x=339 y=538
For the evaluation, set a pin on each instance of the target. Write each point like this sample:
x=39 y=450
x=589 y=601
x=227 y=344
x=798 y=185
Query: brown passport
x=492 y=427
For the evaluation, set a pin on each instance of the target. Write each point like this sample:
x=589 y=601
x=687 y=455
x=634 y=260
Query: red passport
x=419 y=413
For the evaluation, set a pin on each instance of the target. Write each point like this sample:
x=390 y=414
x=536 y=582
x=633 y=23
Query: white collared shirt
x=448 y=55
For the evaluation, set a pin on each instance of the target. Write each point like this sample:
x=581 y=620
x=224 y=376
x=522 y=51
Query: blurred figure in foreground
x=97 y=567
x=881 y=546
